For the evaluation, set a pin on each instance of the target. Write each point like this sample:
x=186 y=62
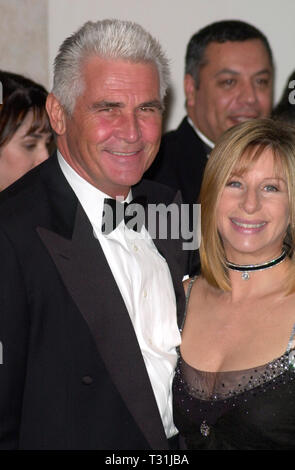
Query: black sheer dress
x=251 y=409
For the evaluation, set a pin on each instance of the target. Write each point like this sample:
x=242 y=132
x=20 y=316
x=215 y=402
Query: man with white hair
x=88 y=318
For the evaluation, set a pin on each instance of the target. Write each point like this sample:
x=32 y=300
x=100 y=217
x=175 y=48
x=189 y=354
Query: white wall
x=23 y=39
x=174 y=21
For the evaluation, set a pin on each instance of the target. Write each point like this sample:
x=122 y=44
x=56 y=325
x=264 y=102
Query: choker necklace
x=245 y=269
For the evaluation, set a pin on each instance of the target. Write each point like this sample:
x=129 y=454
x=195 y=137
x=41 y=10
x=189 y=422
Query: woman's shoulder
x=196 y=282
x=198 y=289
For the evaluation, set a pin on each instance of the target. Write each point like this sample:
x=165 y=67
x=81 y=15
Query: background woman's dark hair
x=21 y=95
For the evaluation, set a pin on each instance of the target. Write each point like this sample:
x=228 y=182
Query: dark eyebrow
x=265 y=71
x=35 y=135
x=235 y=72
x=221 y=72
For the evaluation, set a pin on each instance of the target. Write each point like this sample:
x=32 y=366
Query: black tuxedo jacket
x=181 y=162
x=73 y=376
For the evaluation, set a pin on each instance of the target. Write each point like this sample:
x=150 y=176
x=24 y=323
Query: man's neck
x=74 y=178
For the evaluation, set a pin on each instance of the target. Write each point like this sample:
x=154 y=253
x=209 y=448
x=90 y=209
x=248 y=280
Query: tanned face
x=114 y=133
x=235 y=84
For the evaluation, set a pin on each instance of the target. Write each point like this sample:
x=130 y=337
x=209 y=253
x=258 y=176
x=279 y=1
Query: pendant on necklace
x=245 y=276
x=246 y=269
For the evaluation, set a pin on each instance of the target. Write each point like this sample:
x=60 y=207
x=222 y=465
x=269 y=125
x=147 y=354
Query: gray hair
x=110 y=39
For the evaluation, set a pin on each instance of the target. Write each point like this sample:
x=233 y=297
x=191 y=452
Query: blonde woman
x=234 y=386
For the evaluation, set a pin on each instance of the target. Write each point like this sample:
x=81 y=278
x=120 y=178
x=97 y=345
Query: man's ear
x=189 y=90
x=56 y=114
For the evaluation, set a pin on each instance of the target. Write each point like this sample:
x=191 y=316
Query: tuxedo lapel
x=86 y=274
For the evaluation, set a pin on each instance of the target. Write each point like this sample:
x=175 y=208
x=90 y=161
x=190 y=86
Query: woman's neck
x=260 y=283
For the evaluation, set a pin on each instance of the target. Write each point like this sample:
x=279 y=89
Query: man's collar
x=205 y=139
x=90 y=198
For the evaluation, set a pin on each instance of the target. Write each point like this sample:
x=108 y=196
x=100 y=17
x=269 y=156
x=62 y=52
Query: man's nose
x=248 y=93
x=251 y=200
x=129 y=128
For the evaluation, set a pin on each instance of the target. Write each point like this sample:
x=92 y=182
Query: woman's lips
x=246 y=226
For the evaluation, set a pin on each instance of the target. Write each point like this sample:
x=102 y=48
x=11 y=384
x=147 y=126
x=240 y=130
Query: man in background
x=228 y=79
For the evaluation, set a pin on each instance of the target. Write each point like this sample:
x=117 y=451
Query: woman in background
x=234 y=387
x=25 y=133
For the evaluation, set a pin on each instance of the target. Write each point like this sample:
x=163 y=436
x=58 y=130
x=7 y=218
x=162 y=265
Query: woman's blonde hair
x=238 y=148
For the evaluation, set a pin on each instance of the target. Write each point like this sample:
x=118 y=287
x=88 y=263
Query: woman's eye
x=234 y=184
x=30 y=147
x=271 y=188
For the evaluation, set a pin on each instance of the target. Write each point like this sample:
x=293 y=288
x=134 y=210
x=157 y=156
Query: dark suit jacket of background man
x=181 y=162
x=73 y=376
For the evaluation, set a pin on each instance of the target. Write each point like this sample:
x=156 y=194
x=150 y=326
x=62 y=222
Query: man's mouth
x=243 y=118
x=123 y=154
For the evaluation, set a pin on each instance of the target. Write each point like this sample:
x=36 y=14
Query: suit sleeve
x=14 y=327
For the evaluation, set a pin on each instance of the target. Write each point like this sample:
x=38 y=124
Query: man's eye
x=262 y=82
x=227 y=82
x=147 y=109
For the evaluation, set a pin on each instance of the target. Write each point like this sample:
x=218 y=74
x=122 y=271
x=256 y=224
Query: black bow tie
x=115 y=211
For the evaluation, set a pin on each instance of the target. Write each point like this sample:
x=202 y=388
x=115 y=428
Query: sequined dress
x=251 y=409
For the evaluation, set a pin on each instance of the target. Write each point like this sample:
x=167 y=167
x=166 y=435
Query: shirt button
x=135 y=248
x=145 y=293
x=87 y=380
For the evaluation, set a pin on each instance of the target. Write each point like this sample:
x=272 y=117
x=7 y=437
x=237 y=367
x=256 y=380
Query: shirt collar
x=90 y=198
x=200 y=134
